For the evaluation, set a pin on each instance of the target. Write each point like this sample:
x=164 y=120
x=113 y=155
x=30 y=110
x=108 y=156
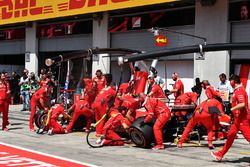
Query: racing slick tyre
x=92 y=140
x=40 y=119
x=142 y=136
x=79 y=124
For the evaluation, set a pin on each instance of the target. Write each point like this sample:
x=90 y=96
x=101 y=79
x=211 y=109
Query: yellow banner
x=14 y=11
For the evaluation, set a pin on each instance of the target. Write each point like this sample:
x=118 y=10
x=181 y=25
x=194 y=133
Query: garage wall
x=240 y=33
x=145 y=40
x=65 y=43
x=12 y=47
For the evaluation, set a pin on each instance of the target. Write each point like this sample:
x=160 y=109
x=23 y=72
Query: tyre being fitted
x=142 y=136
x=40 y=119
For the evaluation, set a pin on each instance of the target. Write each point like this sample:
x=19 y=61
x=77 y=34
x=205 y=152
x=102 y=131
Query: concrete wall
x=31 y=49
x=12 y=47
x=101 y=39
x=212 y=22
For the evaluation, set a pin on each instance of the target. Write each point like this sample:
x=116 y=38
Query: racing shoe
x=179 y=145
x=32 y=130
x=211 y=146
x=40 y=131
x=50 y=132
x=216 y=156
x=6 y=129
x=158 y=147
x=105 y=142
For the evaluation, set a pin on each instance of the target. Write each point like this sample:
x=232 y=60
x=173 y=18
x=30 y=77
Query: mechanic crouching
x=109 y=137
x=53 y=114
x=203 y=114
x=158 y=109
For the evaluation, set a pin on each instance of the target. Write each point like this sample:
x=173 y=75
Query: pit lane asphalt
x=74 y=146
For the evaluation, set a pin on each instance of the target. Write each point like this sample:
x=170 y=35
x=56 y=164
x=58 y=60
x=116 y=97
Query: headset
x=232 y=83
x=234 y=79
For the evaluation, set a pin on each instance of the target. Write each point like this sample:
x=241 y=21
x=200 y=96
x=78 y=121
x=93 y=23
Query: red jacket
x=204 y=106
x=180 y=88
x=186 y=98
x=157 y=91
x=155 y=107
x=56 y=110
x=211 y=92
x=240 y=96
x=40 y=93
x=105 y=95
x=3 y=91
x=123 y=88
x=131 y=103
x=101 y=83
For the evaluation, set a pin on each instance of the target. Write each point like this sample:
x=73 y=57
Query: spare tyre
x=142 y=136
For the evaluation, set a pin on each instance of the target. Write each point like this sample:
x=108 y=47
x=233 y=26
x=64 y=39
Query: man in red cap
x=241 y=117
x=158 y=109
x=39 y=99
x=203 y=114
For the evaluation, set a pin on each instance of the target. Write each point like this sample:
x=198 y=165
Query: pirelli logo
x=14 y=11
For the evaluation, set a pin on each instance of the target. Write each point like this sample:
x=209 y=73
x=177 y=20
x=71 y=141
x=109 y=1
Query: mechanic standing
x=100 y=105
x=3 y=98
x=241 y=114
x=39 y=99
x=155 y=90
x=178 y=88
x=100 y=79
x=158 y=109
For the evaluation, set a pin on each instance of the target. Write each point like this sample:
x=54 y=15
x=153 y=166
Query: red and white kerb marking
x=14 y=156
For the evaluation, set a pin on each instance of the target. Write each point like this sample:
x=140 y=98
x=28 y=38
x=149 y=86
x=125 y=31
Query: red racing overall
x=241 y=122
x=186 y=98
x=115 y=121
x=7 y=101
x=202 y=116
x=100 y=106
x=81 y=107
x=157 y=92
x=40 y=94
x=180 y=88
x=162 y=113
x=3 y=99
x=56 y=110
x=101 y=83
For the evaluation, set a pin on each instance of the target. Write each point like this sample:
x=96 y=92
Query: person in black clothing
x=15 y=88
